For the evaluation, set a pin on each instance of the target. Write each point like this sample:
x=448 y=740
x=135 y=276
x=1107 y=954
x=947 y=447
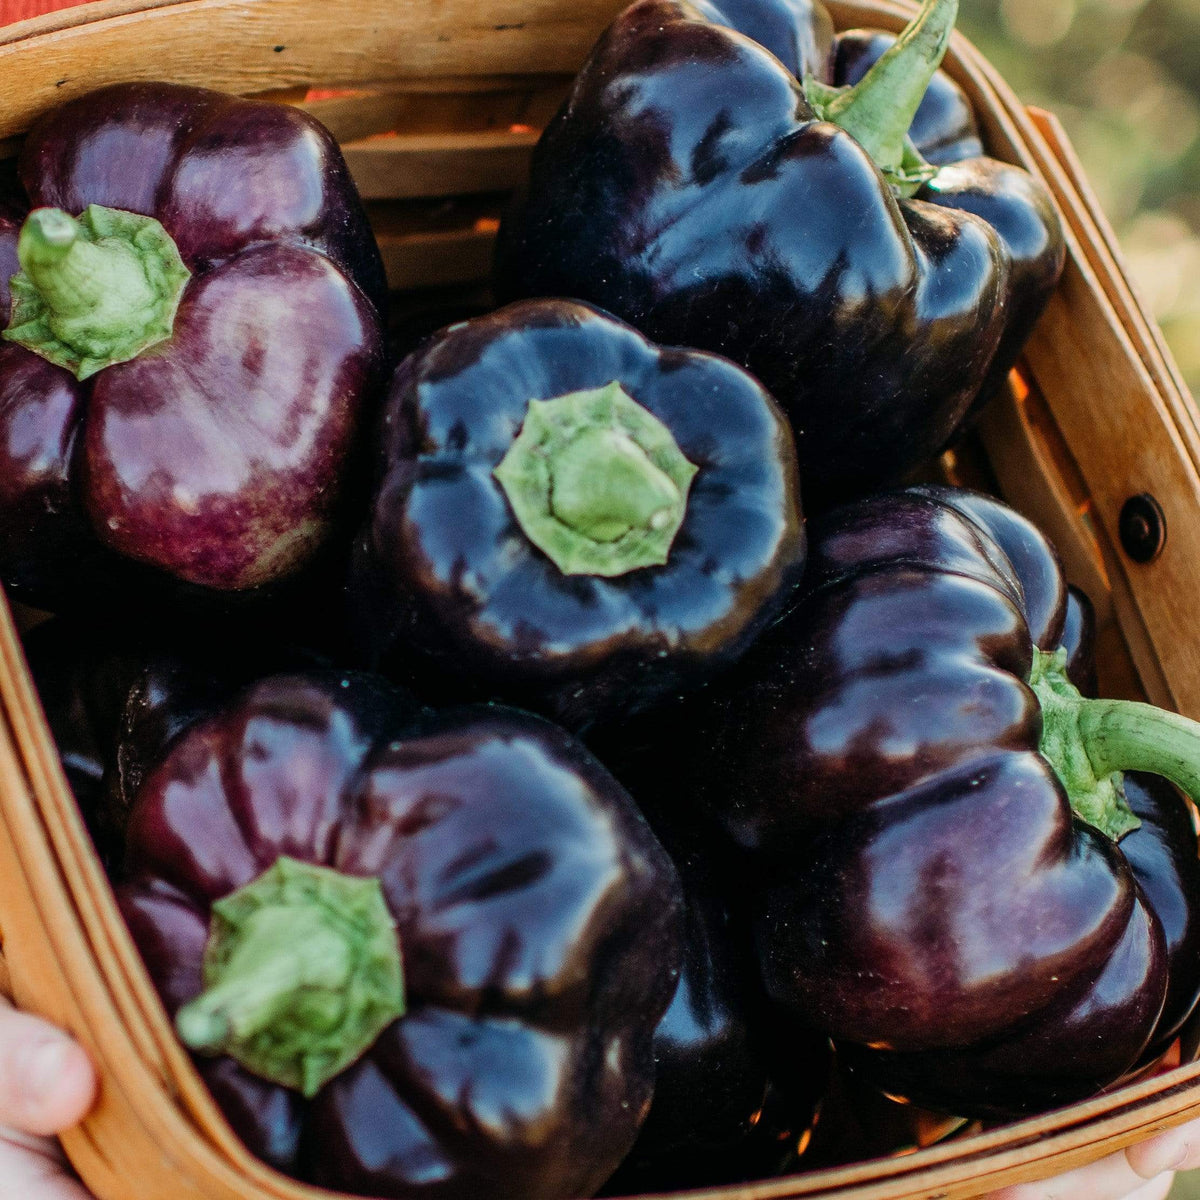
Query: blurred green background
x=1124 y=77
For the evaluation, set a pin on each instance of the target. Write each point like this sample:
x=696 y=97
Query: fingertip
x=57 y=1085
x=76 y=1091
x=1175 y=1150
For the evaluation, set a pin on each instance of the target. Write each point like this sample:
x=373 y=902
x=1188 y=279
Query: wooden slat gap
x=350 y=118
x=403 y=165
x=457 y=141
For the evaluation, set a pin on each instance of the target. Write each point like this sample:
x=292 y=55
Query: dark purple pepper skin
x=1011 y=201
x=735 y=1087
x=12 y=211
x=1165 y=859
x=115 y=700
x=222 y=174
x=538 y=918
x=686 y=187
x=798 y=32
x=446 y=584
x=214 y=461
x=710 y=1083
x=1078 y=640
x=924 y=888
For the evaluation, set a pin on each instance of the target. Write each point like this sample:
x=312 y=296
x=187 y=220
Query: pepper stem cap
x=879 y=109
x=95 y=291
x=1092 y=743
x=302 y=972
x=597 y=482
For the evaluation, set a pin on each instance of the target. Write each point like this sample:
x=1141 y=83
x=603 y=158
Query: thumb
x=47 y=1082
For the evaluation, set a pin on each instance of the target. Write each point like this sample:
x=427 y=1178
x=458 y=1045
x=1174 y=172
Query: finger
x=1121 y=1175
x=47 y=1082
x=1175 y=1150
x=1111 y=1178
x=1156 y=1189
x=35 y=1172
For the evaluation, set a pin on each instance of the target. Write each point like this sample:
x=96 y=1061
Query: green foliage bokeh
x=1124 y=77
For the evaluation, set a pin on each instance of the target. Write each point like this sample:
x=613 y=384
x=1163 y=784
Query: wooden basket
x=438 y=103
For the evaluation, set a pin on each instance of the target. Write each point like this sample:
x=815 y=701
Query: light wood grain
x=1019 y=431
x=455 y=106
x=406 y=165
x=1083 y=208
x=245 y=48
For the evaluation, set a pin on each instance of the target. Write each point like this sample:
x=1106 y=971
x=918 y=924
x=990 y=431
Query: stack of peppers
x=423 y=943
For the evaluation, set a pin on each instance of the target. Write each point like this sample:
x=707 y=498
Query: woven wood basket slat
x=438 y=103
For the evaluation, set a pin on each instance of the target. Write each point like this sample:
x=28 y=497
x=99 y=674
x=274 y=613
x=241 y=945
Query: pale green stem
x=302 y=972
x=285 y=954
x=96 y=291
x=1092 y=743
x=78 y=278
x=1124 y=735
x=879 y=110
x=596 y=482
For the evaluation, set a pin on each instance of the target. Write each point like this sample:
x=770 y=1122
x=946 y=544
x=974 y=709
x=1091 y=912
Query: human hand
x=1141 y=1172
x=47 y=1084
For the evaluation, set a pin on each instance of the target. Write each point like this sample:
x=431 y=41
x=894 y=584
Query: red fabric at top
x=19 y=10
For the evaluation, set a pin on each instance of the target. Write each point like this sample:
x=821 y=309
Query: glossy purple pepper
x=477 y=930
x=572 y=518
x=730 y=194
x=736 y=1088
x=895 y=757
x=116 y=697
x=190 y=341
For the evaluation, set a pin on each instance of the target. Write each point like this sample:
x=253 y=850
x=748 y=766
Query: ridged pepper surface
x=954 y=876
x=726 y=177
x=418 y=954
x=571 y=517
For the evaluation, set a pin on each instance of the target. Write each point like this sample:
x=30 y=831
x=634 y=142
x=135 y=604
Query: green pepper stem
x=604 y=484
x=78 y=278
x=879 y=110
x=1125 y=735
x=302 y=972
x=284 y=951
x=1091 y=743
x=596 y=482
x=95 y=291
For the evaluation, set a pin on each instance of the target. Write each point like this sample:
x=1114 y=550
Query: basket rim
x=88 y=12
x=1066 y=1136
